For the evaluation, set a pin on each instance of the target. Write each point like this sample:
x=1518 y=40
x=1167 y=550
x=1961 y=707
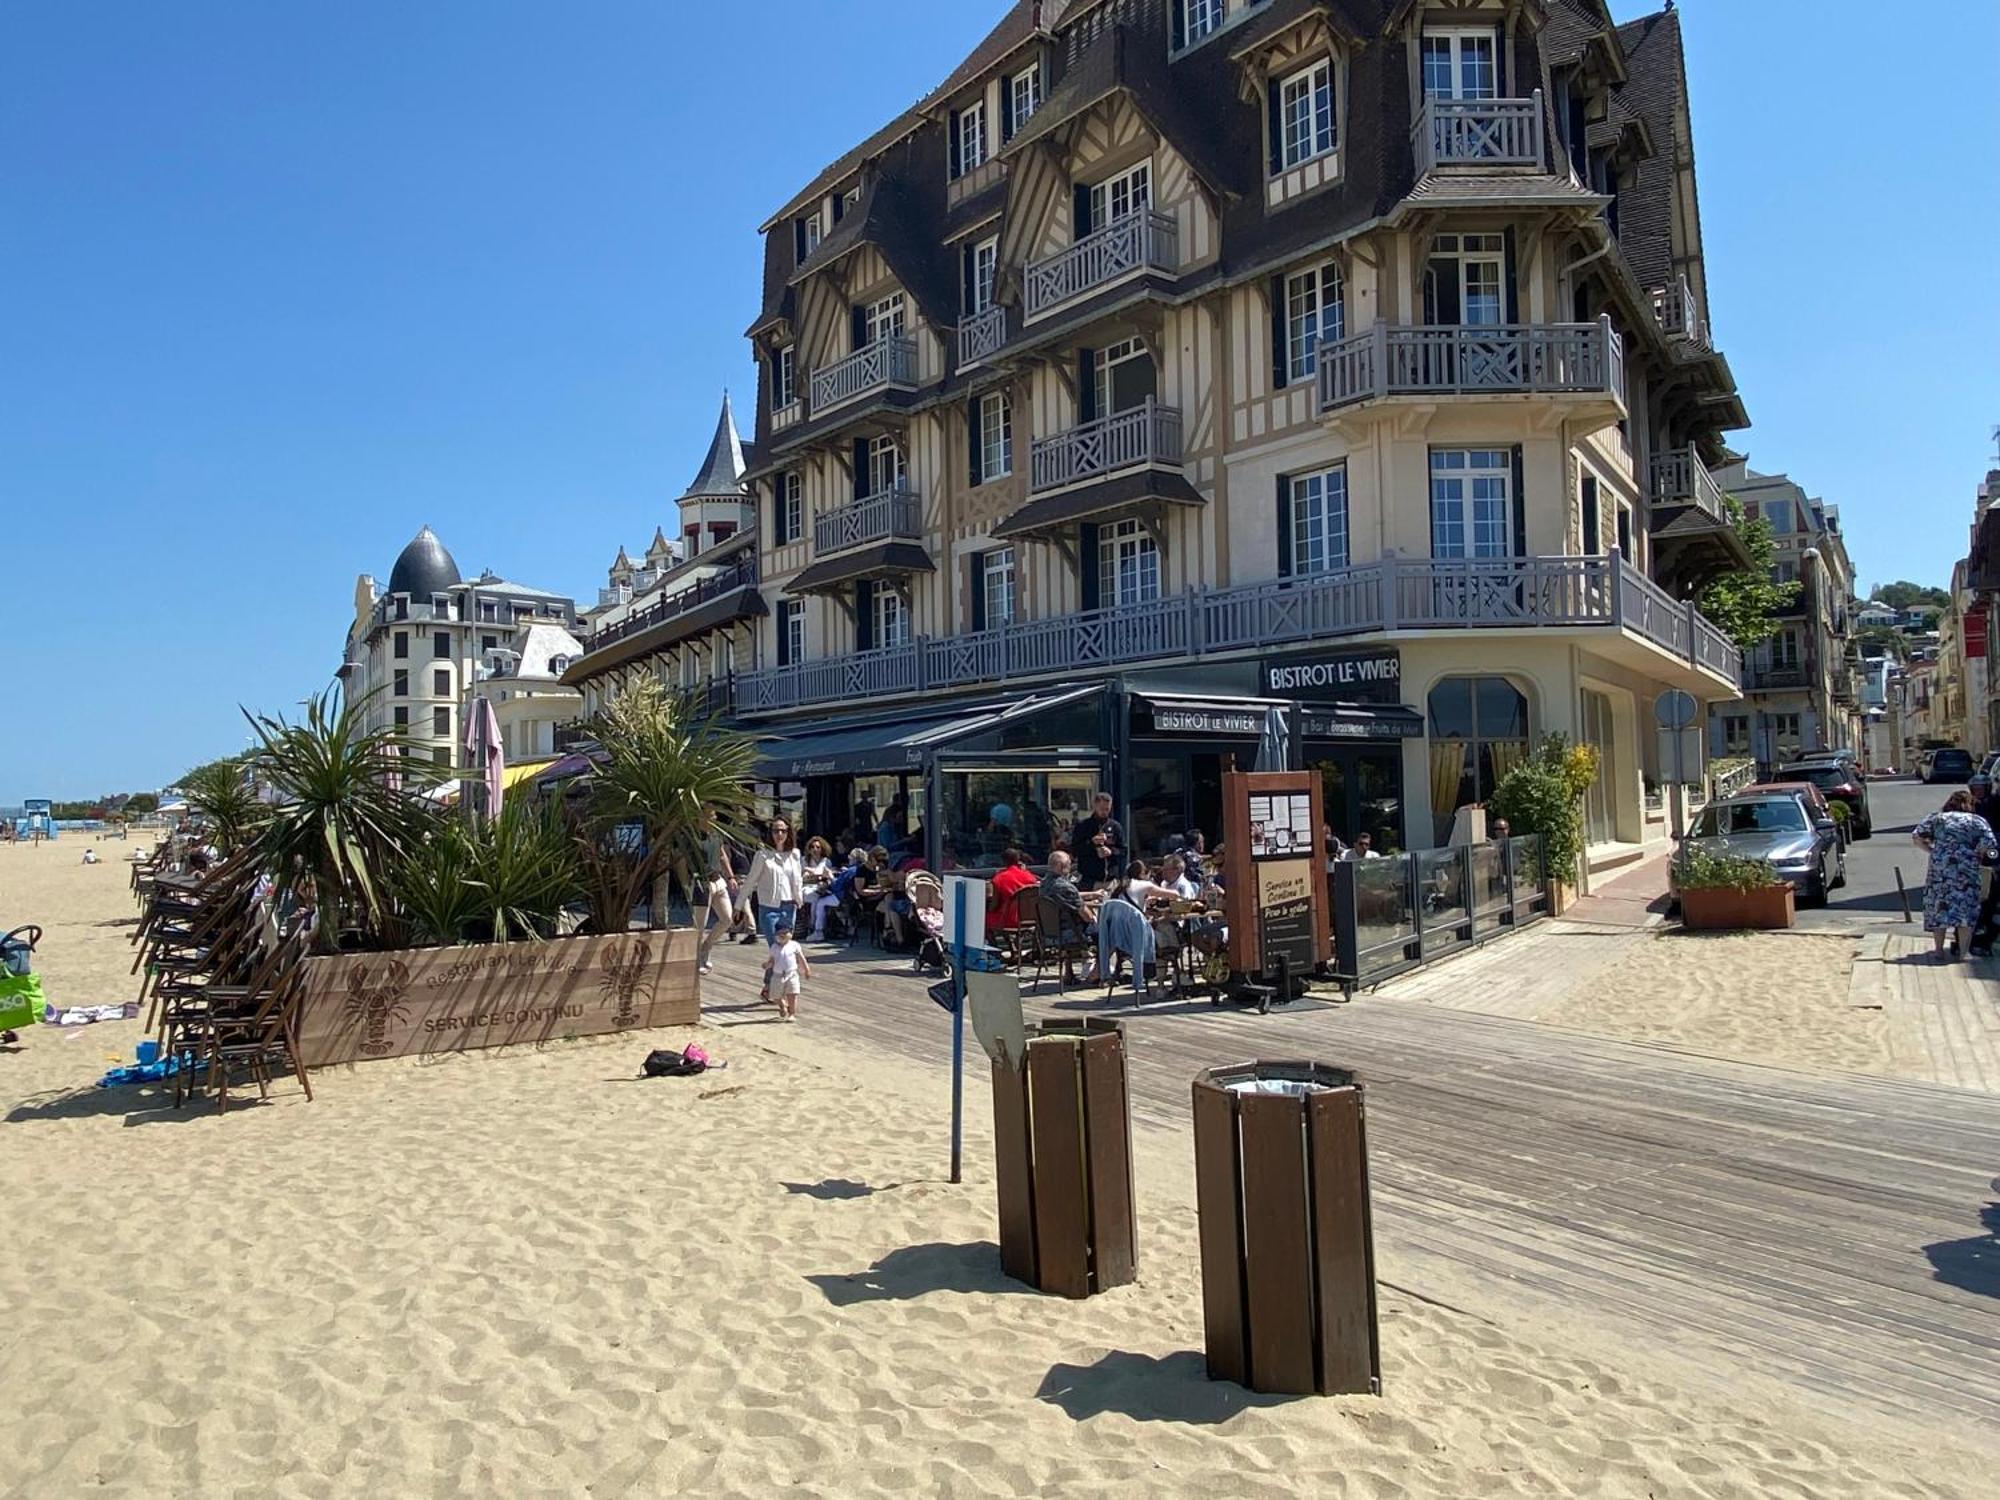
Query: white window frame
x=784 y=377
x=1134 y=186
x=792 y=628
x=814 y=233
x=972 y=137
x=1110 y=356
x=1315 y=314
x=1457 y=56
x=1785 y=651
x=1472 y=503
x=996 y=436
x=888 y=469
x=997 y=583
x=985 y=271
x=1305 y=114
x=1319 y=522
x=792 y=501
x=1128 y=565
x=1485 y=254
x=1200 y=19
x=885 y=319
x=892 y=617
x=1026 y=99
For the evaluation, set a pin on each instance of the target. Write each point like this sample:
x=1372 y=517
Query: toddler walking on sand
x=785 y=971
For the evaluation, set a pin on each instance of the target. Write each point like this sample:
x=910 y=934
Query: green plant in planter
x=1841 y=813
x=1544 y=795
x=527 y=868
x=1704 y=871
x=433 y=885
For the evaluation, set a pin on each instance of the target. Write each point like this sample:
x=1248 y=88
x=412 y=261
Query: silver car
x=1774 y=828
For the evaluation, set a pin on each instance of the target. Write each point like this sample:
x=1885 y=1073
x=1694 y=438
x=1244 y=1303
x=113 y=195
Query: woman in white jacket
x=777 y=879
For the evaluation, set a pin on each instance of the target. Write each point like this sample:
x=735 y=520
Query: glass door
x=1600 y=825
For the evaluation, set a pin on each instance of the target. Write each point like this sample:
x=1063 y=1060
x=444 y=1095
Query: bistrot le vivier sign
x=415 y=1001
x=1347 y=676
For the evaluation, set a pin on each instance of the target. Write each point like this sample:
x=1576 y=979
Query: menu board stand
x=1273 y=864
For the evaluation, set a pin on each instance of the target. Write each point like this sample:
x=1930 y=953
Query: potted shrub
x=1727 y=891
x=1543 y=795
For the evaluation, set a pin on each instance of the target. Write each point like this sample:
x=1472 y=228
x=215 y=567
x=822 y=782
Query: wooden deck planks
x=1778 y=1217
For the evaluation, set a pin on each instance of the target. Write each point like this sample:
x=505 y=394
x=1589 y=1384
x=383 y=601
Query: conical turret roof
x=721 y=475
x=424 y=568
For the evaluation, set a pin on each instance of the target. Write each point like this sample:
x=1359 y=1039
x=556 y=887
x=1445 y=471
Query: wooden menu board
x=1274 y=867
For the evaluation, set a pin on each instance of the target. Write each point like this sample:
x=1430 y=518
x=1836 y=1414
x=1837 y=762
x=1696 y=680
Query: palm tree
x=348 y=805
x=224 y=794
x=683 y=782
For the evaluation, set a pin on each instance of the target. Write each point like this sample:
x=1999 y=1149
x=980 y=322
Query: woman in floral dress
x=1956 y=839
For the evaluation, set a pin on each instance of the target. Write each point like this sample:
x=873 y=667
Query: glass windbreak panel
x=1441 y=894
x=896 y=803
x=1525 y=854
x=1158 y=801
x=987 y=811
x=1384 y=926
x=1378 y=782
x=1489 y=886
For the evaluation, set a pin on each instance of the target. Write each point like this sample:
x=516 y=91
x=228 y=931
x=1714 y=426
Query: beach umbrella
x=482 y=744
x=1274 y=744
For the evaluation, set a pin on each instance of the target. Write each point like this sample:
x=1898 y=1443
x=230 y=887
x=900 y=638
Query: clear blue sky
x=284 y=282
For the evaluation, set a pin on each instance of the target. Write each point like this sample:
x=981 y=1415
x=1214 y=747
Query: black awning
x=1363 y=721
x=862 y=562
x=1089 y=501
x=744 y=603
x=906 y=742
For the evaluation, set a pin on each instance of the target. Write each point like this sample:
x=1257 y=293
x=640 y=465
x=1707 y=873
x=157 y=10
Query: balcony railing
x=1148 y=433
x=1681 y=478
x=1142 y=240
x=741 y=574
x=1431 y=360
x=1679 y=314
x=893 y=513
x=1395 y=594
x=1479 y=133
x=1776 y=677
x=884 y=364
x=981 y=335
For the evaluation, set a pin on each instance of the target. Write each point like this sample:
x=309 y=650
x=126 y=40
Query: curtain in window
x=1506 y=754
x=1447 y=771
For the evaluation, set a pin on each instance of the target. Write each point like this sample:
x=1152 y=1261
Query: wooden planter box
x=1769 y=906
x=361 y=1006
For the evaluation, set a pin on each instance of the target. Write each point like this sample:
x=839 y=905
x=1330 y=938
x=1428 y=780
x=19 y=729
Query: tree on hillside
x=1744 y=605
x=1902 y=594
x=139 y=804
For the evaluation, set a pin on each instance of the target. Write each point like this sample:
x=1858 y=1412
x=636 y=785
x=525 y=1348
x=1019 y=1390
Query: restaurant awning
x=864 y=562
x=1244 y=717
x=902 y=743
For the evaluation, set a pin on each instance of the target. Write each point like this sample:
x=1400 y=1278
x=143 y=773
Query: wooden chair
x=1060 y=939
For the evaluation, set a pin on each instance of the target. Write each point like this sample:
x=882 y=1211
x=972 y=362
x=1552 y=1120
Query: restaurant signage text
x=1349 y=677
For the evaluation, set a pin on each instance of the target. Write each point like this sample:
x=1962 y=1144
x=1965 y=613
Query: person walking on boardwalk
x=1956 y=838
x=777 y=879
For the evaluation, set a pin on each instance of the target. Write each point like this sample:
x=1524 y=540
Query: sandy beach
x=530 y=1273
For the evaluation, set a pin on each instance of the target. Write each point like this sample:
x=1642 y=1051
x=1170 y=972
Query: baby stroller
x=20 y=990
x=926 y=893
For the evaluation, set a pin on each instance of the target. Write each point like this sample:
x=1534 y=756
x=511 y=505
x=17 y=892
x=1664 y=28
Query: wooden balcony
x=1479 y=133
x=892 y=515
x=1775 y=679
x=1679 y=315
x=1510 y=359
x=981 y=336
x=1681 y=479
x=886 y=364
x=1146 y=435
x=1604 y=593
x=739 y=575
x=1141 y=241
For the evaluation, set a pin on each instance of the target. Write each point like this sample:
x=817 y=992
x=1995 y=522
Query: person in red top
x=1014 y=878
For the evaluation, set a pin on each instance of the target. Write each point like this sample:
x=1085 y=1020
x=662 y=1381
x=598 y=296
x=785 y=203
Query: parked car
x=1982 y=779
x=1841 y=782
x=1771 y=827
x=1953 y=764
x=1817 y=806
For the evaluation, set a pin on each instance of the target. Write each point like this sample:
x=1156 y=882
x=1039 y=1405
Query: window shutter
x=1500 y=68
x=1284 y=526
x=1086 y=386
x=1087 y=563
x=861 y=468
x=778 y=511
x=784 y=635
x=798 y=242
x=955 y=146
x=1520 y=508
x=972 y=440
x=1281 y=354
x=858 y=326
x=1006 y=109
x=864 y=614
x=1593 y=533
x=977 y=572
x=1332 y=309
x=966 y=260
x=1274 y=113
x=1080 y=210
x=839 y=207
x=1179 y=8
x=1513 y=305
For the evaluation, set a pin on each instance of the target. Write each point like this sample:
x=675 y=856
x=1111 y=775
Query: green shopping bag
x=21 y=1002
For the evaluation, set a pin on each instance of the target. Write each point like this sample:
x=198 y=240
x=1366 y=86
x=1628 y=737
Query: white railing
x=1430 y=360
x=1479 y=133
x=981 y=335
x=1680 y=477
x=1142 y=239
x=1395 y=594
x=893 y=513
x=1678 y=313
x=1148 y=433
x=886 y=362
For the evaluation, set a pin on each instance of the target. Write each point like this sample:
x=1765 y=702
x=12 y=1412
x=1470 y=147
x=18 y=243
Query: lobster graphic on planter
x=620 y=969
x=377 y=1007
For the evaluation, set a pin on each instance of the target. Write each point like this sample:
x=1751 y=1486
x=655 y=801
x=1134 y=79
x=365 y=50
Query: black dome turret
x=424 y=568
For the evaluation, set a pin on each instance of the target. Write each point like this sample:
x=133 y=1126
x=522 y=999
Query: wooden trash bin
x=1062 y=1130
x=1287 y=1251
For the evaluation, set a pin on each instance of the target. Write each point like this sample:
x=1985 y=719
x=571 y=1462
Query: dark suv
x=1838 y=781
x=1951 y=764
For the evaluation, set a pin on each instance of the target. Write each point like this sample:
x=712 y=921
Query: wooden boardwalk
x=1944 y=1018
x=1822 y=1231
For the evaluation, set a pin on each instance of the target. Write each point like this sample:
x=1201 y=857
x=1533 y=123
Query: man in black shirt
x=1097 y=862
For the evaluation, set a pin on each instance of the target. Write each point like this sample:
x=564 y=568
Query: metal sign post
x=1675 y=711
x=966 y=933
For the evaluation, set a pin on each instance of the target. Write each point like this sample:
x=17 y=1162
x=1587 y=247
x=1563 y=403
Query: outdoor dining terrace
x=1586 y=359
x=1395 y=594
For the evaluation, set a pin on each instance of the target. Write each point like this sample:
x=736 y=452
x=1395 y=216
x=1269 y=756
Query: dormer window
x=1304 y=115
x=981 y=263
x=1199 y=18
x=806 y=233
x=784 y=378
x=881 y=320
x=968 y=139
x=1111 y=200
x=1024 y=97
x=1461 y=65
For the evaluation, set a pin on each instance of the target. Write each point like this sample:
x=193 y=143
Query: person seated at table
x=1059 y=887
x=815 y=876
x=1363 y=848
x=1139 y=888
x=1006 y=887
x=1497 y=831
x=1174 y=876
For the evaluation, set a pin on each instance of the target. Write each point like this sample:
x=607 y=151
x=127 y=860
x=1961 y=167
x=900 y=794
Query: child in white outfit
x=785 y=971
